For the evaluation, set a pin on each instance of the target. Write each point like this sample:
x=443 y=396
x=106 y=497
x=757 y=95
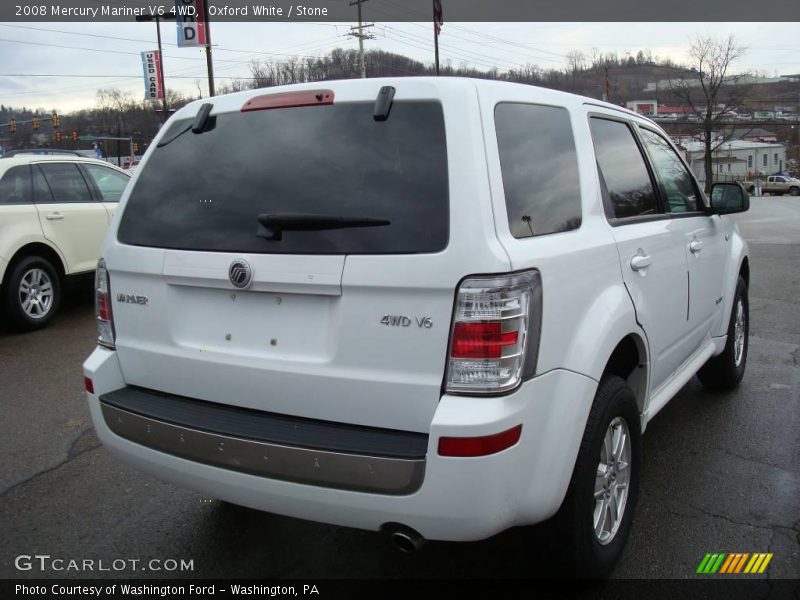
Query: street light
x=157 y=19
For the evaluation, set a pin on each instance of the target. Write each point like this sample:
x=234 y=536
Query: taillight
x=102 y=306
x=494 y=338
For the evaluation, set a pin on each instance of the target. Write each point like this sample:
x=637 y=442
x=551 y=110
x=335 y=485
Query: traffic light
x=12 y=126
x=35 y=123
x=74 y=136
x=54 y=120
x=58 y=137
x=135 y=147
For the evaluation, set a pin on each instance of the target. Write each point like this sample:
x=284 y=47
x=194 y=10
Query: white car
x=435 y=307
x=54 y=213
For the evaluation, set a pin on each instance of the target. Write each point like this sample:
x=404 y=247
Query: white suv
x=435 y=307
x=54 y=213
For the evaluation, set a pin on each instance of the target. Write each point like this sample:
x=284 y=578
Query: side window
x=41 y=191
x=111 y=183
x=540 y=168
x=15 y=186
x=66 y=183
x=680 y=191
x=627 y=187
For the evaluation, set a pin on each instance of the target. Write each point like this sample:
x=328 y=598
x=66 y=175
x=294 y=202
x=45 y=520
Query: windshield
x=206 y=191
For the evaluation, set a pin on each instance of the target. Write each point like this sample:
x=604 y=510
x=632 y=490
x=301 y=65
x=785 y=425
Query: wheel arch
x=629 y=361
x=37 y=249
x=738 y=264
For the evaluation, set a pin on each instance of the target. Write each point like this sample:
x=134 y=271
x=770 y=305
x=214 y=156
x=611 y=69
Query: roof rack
x=41 y=151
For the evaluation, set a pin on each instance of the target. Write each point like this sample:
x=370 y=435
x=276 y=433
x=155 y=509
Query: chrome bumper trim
x=374 y=474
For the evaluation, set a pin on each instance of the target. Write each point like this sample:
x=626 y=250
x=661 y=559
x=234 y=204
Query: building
x=647 y=108
x=737 y=159
x=755 y=135
x=669 y=110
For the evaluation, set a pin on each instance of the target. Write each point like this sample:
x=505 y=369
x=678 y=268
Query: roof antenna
x=201 y=118
x=383 y=103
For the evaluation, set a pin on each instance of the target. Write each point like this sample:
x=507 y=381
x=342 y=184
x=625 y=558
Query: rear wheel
x=32 y=294
x=598 y=510
x=724 y=372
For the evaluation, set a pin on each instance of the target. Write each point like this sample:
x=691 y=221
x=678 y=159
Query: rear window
x=205 y=191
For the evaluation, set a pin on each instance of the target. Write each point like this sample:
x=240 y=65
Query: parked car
x=434 y=307
x=54 y=212
x=777 y=185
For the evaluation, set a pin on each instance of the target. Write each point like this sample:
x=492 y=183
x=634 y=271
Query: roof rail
x=41 y=151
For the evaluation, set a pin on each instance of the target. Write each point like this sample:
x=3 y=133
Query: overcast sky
x=109 y=52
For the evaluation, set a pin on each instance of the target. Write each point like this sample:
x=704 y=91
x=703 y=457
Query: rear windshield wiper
x=274 y=224
x=199 y=124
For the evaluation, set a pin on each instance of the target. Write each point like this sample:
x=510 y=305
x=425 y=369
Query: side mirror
x=729 y=197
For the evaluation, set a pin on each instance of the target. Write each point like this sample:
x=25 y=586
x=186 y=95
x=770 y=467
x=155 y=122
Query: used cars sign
x=151 y=65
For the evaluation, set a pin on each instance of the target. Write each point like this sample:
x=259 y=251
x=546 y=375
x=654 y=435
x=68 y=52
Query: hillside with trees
x=596 y=74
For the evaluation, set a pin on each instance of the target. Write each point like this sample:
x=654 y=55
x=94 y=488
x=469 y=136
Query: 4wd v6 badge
x=403 y=321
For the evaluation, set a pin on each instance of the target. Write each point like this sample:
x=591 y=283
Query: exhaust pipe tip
x=405 y=539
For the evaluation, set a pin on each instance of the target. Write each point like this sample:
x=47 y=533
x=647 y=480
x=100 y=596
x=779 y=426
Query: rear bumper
x=459 y=499
x=307 y=451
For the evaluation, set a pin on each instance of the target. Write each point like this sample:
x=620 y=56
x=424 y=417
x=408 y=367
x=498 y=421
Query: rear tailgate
x=346 y=325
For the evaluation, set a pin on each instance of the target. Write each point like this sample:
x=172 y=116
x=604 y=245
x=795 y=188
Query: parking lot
x=721 y=474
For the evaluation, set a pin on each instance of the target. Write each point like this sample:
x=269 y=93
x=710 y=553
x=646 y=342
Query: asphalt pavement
x=721 y=474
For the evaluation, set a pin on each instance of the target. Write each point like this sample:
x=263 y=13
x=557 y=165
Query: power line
x=140 y=40
x=413 y=12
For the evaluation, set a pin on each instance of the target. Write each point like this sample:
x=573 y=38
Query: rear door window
x=627 y=188
x=65 y=182
x=205 y=191
x=540 y=168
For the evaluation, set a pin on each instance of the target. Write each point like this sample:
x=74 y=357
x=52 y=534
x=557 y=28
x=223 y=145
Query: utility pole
x=209 y=62
x=438 y=21
x=606 y=94
x=361 y=37
x=161 y=58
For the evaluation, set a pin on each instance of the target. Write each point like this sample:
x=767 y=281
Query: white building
x=737 y=159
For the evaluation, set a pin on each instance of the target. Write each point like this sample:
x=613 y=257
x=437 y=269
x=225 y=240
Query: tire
x=32 y=293
x=751 y=190
x=725 y=371
x=794 y=191
x=587 y=553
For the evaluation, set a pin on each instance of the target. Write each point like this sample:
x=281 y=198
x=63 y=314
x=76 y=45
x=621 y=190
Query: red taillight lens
x=103 y=310
x=88 y=384
x=481 y=340
x=479 y=446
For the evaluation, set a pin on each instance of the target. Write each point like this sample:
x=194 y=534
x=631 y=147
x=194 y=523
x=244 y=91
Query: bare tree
x=711 y=60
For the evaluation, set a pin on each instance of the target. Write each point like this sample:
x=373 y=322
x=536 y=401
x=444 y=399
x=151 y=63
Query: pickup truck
x=777 y=185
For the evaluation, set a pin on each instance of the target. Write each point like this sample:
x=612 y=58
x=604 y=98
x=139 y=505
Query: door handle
x=695 y=246
x=55 y=216
x=641 y=261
